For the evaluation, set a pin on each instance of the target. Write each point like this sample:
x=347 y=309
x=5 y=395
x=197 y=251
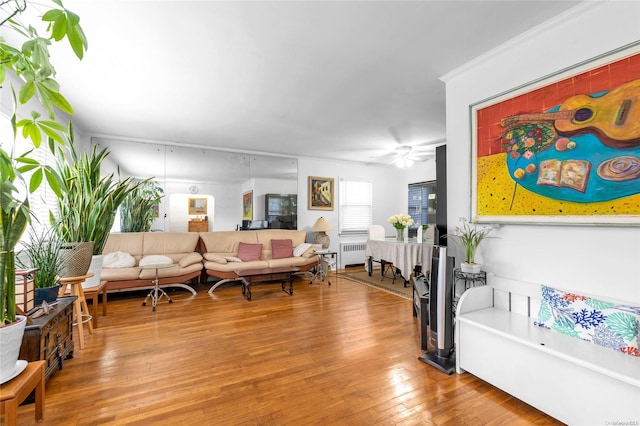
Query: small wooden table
x=251 y=276
x=16 y=390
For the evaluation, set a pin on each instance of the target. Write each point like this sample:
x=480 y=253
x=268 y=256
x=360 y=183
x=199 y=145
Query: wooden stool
x=93 y=294
x=80 y=304
x=16 y=390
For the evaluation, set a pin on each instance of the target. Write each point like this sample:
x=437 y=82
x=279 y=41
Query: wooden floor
x=344 y=354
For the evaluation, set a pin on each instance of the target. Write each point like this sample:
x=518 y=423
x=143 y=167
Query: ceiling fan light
x=400 y=162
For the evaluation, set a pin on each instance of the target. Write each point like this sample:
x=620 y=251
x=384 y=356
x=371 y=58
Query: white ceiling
x=330 y=79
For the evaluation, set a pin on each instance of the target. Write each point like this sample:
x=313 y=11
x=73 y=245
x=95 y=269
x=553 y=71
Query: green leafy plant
x=31 y=70
x=137 y=209
x=88 y=202
x=43 y=251
x=470 y=238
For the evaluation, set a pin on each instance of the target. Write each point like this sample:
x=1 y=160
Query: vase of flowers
x=470 y=238
x=400 y=222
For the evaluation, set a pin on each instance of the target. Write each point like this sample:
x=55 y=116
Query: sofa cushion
x=155 y=259
x=169 y=242
x=118 y=259
x=215 y=258
x=310 y=252
x=601 y=322
x=281 y=249
x=232 y=259
x=127 y=242
x=249 y=252
x=190 y=259
x=120 y=274
x=226 y=241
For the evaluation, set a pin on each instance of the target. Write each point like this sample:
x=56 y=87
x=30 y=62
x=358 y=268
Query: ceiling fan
x=405 y=154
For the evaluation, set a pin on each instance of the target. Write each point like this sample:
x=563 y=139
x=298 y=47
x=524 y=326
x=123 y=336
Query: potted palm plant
x=88 y=201
x=26 y=65
x=137 y=209
x=43 y=251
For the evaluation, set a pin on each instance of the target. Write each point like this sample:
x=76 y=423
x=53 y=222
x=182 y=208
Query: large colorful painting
x=563 y=149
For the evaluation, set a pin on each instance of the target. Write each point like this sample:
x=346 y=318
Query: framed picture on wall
x=197 y=206
x=321 y=193
x=247 y=205
x=562 y=149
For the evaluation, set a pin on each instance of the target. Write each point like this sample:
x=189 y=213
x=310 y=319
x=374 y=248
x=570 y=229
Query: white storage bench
x=576 y=382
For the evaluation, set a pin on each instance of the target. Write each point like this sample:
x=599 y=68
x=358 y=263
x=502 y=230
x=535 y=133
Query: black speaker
x=441 y=196
x=440 y=312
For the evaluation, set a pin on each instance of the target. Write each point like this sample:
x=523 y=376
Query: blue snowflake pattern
x=606 y=337
x=552 y=296
x=587 y=319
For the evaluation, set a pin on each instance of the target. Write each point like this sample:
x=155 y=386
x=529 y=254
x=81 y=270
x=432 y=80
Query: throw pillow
x=311 y=252
x=604 y=323
x=248 y=252
x=215 y=258
x=155 y=259
x=118 y=259
x=281 y=249
x=300 y=249
x=232 y=259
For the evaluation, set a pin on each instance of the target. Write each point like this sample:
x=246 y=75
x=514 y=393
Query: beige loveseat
x=180 y=247
x=220 y=252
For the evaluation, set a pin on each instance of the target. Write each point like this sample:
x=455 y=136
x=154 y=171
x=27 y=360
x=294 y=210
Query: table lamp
x=321 y=226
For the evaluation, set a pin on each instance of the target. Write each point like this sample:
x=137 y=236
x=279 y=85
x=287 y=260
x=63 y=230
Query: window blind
x=356 y=202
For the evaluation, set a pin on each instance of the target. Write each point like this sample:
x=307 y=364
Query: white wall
x=594 y=260
x=390 y=192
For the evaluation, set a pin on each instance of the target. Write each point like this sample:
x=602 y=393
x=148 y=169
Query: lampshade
x=321 y=225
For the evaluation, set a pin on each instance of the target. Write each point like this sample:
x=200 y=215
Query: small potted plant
x=400 y=221
x=470 y=238
x=43 y=251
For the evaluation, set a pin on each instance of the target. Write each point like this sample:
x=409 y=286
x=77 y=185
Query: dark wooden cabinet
x=50 y=337
x=281 y=210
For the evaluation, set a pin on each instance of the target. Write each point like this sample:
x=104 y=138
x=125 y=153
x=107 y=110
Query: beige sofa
x=180 y=247
x=220 y=248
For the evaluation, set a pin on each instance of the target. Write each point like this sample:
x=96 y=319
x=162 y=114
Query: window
x=422 y=205
x=356 y=200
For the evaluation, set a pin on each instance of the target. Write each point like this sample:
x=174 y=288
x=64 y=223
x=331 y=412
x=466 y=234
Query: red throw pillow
x=281 y=248
x=248 y=252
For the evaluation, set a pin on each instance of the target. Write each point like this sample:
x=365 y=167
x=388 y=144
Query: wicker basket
x=77 y=259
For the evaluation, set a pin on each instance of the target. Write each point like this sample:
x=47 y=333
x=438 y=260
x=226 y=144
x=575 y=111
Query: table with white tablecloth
x=405 y=255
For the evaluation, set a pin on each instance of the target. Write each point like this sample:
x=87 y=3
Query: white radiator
x=352 y=253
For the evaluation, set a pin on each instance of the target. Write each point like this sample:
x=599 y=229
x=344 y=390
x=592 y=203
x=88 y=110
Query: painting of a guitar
x=613 y=117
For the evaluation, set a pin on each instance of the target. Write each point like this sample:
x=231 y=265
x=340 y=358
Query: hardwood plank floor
x=344 y=354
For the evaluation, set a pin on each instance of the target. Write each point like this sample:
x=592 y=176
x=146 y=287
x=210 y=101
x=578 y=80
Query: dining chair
x=376 y=233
